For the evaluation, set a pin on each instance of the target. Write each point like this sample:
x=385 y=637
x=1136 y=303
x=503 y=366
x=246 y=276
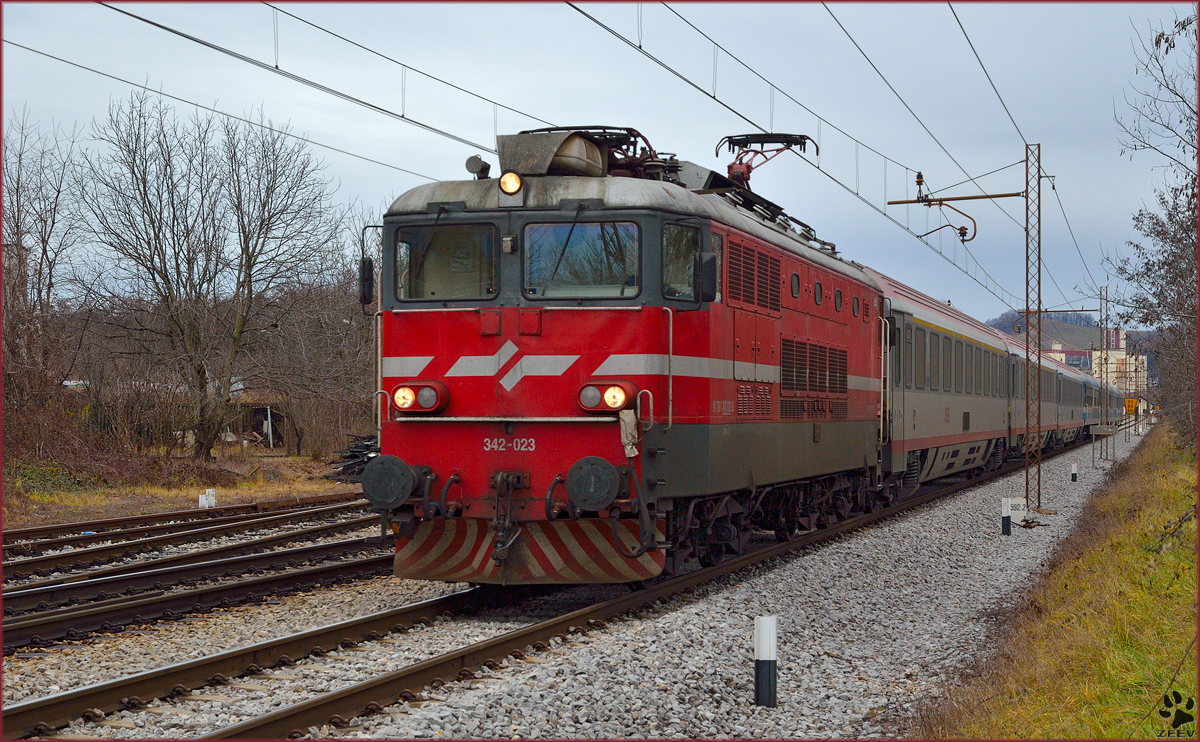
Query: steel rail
x=24 y=599
x=373 y=695
x=43 y=715
x=200 y=555
x=109 y=524
x=35 y=548
x=76 y=621
x=95 y=554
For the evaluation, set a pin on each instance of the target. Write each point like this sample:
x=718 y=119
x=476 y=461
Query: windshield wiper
x=579 y=207
x=432 y=233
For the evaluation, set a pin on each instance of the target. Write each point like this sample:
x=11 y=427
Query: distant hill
x=1082 y=319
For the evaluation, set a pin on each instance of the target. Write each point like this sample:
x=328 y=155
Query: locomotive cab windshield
x=446 y=262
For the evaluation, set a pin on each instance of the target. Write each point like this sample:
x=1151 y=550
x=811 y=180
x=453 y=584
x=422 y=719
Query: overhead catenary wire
x=1072 y=233
x=858 y=143
x=775 y=87
x=848 y=189
x=219 y=112
x=1023 y=139
x=972 y=179
x=303 y=80
x=381 y=55
x=988 y=76
x=990 y=172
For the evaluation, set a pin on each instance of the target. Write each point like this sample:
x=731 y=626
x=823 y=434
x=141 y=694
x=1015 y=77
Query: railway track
x=191 y=557
x=46 y=714
x=34 y=533
x=40 y=629
x=97 y=555
x=38 y=597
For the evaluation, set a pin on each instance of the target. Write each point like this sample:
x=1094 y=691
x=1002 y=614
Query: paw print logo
x=1178 y=712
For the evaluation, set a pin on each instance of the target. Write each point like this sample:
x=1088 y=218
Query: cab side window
x=716 y=245
x=680 y=246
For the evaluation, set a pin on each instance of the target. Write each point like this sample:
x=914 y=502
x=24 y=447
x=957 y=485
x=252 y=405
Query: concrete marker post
x=1005 y=516
x=765 y=660
x=1074 y=472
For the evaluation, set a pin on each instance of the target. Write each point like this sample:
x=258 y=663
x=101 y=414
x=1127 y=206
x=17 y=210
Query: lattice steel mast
x=1033 y=325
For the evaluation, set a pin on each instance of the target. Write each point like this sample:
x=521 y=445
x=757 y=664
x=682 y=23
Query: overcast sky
x=1062 y=70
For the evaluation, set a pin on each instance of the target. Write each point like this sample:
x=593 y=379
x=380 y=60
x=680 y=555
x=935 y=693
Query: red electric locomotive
x=606 y=362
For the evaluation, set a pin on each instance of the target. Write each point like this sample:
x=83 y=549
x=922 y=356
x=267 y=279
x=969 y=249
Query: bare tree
x=1160 y=273
x=41 y=228
x=206 y=228
x=318 y=361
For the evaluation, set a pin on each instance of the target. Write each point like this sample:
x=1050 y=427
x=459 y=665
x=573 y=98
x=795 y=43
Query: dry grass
x=1107 y=631
x=42 y=492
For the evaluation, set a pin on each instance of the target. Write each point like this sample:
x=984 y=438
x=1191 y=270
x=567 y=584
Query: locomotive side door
x=743 y=345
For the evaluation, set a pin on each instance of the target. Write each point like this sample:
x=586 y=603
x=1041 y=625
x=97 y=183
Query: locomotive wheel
x=712 y=556
x=787 y=527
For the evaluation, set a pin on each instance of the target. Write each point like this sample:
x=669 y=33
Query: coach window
x=947 y=363
x=978 y=371
x=908 y=355
x=817 y=293
x=969 y=371
x=935 y=378
x=716 y=245
x=450 y=261
x=919 y=360
x=795 y=285
x=679 y=249
x=837 y=299
x=958 y=366
x=854 y=306
x=586 y=260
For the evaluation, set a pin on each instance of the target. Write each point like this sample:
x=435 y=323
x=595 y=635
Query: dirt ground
x=41 y=493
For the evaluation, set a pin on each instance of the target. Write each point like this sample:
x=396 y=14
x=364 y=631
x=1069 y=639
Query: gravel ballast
x=869 y=624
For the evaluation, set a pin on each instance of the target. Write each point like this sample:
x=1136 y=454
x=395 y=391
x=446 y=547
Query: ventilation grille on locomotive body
x=812 y=368
x=753 y=277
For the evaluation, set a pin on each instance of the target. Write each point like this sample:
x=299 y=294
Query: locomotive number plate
x=509 y=444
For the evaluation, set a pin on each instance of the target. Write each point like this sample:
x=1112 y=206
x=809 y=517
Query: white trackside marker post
x=1074 y=472
x=208 y=499
x=765 y=632
x=1005 y=516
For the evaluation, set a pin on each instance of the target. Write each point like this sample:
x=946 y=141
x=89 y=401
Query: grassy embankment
x=43 y=491
x=1109 y=629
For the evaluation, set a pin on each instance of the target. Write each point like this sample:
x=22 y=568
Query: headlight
x=589 y=396
x=427 y=397
x=606 y=396
x=404 y=397
x=614 y=397
x=510 y=182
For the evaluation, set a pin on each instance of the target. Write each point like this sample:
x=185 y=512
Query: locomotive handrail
x=885 y=388
x=378 y=409
x=417 y=310
x=649 y=422
x=670 y=376
x=377 y=327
